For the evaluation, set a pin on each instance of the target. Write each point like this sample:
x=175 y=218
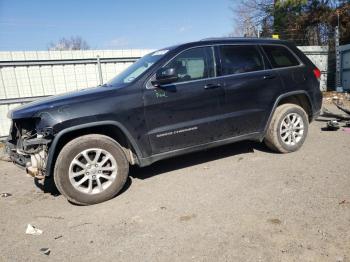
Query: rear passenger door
x=251 y=88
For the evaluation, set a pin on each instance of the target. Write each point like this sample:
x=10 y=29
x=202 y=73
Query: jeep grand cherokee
x=170 y=102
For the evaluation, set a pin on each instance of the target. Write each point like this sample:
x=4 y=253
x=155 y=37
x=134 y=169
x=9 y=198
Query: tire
x=101 y=177
x=283 y=135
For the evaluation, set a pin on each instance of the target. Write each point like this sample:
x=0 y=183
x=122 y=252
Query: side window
x=237 y=59
x=280 y=56
x=193 y=64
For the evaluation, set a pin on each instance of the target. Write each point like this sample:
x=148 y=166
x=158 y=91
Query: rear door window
x=237 y=59
x=280 y=56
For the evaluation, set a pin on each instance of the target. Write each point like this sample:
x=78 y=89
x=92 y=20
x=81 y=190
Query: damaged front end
x=27 y=147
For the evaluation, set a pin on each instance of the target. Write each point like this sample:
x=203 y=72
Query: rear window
x=237 y=59
x=280 y=56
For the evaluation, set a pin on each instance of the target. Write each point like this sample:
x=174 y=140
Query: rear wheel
x=288 y=129
x=91 y=169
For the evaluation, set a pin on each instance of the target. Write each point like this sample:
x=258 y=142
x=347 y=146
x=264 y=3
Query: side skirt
x=154 y=158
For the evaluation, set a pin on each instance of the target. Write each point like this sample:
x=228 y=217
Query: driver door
x=185 y=113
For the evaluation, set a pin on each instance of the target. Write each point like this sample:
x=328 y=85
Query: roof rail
x=236 y=38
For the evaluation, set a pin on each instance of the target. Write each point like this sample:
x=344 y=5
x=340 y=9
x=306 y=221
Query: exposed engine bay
x=28 y=148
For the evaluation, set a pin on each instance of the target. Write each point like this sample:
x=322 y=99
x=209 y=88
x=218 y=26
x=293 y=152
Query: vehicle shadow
x=197 y=158
x=48 y=186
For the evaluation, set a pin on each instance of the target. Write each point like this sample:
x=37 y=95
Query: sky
x=107 y=24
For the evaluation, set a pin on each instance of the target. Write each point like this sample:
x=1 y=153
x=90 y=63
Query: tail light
x=317 y=73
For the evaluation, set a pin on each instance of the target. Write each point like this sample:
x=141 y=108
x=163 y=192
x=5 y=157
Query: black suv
x=170 y=102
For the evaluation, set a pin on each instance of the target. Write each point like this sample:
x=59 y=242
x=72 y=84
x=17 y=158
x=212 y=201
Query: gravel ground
x=234 y=203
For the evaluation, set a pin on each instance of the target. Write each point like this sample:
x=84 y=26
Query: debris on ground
x=58 y=237
x=79 y=225
x=327 y=113
x=275 y=221
x=344 y=117
x=342 y=202
x=51 y=217
x=333 y=125
x=32 y=230
x=5 y=194
x=187 y=218
x=342 y=108
x=45 y=251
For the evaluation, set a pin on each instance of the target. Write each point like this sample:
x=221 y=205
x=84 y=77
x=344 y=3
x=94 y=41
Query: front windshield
x=137 y=68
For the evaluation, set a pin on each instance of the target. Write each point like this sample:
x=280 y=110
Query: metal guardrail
x=67 y=61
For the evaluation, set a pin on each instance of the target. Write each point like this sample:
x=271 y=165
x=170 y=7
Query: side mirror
x=165 y=76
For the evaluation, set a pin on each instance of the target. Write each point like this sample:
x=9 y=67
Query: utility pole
x=339 y=88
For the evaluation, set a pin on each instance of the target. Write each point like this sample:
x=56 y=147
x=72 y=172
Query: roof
x=225 y=40
x=242 y=39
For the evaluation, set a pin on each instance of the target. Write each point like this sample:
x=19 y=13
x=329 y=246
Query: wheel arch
x=109 y=128
x=300 y=97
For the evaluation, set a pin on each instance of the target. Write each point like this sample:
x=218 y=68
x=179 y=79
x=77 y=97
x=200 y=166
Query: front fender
x=58 y=136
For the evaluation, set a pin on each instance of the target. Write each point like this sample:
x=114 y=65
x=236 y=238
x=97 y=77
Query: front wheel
x=91 y=169
x=288 y=129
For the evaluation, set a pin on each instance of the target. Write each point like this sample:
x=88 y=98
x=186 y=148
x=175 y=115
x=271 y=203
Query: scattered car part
x=342 y=108
x=328 y=113
x=333 y=125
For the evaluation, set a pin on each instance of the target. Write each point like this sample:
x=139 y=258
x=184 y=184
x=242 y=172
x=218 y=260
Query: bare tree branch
x=73 y=43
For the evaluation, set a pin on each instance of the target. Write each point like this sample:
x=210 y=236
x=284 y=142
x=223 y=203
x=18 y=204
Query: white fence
x=26 y=76
x=319 y=56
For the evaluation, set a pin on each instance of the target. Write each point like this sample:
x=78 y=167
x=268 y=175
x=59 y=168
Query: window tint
x=237 y=59
x=280 y=56
x=193 y=64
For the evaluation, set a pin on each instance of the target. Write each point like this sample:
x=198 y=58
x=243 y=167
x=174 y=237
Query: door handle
x=211 y=86
x=265 y=77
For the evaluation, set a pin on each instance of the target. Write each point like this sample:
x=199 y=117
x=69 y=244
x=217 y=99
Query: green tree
x=306 y=22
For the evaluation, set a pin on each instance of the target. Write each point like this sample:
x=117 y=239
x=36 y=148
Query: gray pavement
x=234 y=203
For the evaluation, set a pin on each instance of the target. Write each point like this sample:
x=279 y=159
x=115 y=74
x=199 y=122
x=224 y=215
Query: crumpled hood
x=32 y=109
